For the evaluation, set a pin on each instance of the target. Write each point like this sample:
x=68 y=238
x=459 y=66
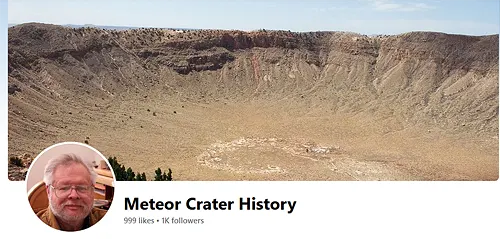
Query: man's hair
x=66 y=159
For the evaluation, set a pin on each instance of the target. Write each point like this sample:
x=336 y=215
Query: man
x=70 y=188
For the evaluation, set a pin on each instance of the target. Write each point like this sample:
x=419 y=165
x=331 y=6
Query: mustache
x=73 y=204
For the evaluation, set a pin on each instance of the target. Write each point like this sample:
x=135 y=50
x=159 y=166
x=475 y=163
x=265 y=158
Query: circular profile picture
x=70 y=186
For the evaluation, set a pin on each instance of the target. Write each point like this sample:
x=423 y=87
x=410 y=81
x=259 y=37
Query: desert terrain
x=263 y=105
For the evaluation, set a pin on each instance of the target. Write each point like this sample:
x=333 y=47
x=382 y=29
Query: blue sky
x=362 y=16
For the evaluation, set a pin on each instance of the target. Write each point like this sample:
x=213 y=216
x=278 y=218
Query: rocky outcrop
x=418 y=77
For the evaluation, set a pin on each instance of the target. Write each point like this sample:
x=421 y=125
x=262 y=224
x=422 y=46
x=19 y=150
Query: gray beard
x=58 y=212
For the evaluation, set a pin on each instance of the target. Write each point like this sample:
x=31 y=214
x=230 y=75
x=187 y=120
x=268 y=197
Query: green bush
x=16 y=161
x=140 y=177
x=129 y=175
x=163 y=177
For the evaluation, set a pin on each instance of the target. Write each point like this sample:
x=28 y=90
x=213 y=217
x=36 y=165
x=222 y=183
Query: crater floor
x=264 y=141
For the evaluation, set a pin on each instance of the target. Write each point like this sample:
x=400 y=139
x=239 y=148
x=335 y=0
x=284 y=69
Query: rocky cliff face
x=417 y=77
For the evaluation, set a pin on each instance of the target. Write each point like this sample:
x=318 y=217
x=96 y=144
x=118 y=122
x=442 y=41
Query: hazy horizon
x=122 y=28
x=367 y=17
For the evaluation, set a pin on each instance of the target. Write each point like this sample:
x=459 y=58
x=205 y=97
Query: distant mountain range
x=118 y=28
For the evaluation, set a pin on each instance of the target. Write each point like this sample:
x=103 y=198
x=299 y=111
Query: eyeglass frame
x=72 y=187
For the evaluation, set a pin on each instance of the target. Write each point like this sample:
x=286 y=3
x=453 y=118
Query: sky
x=469 y=17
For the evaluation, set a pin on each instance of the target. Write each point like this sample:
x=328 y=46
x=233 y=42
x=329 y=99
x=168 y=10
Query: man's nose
x=73 y=194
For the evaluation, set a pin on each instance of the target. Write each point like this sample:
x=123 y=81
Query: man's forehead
x=71 y=172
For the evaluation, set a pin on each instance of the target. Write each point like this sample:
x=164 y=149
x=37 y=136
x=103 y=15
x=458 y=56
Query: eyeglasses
x=65 y=190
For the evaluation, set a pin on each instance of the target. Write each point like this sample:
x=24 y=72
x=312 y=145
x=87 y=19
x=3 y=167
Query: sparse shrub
x=163 y=177
x=86 y=141
x=16 y=161
x=120 y=173
x=140 y=177
x=129 y=175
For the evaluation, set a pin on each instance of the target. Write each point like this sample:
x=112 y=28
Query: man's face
x=73 y=205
